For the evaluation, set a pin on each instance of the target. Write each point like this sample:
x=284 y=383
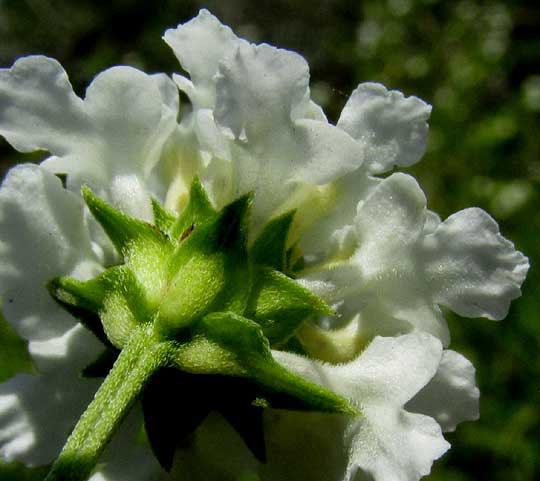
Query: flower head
x=254 y=239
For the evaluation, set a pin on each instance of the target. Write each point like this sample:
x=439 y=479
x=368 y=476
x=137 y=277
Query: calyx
x=216 y=305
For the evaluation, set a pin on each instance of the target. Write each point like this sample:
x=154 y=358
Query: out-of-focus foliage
x=477 y=62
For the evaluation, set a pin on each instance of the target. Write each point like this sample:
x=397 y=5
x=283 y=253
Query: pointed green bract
x=163 y=219
x=190 y=290
x=120 y=228
x=270 y=247
x=209 y=270
x=198 y=211
x=87 y=295
x=279 y=304
x=83 y=300
x=144 y=247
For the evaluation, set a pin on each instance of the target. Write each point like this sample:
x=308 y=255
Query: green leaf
x=269 y=248
x=101 y=366
x=198 y=211
x=279 y=304
x=163 y=219
x=14 y=355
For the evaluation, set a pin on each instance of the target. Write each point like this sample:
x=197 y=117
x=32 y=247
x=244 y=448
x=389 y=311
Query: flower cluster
x=363 y=246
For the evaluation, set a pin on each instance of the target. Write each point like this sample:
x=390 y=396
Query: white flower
x=389 y=442
x=402 y=262
x=372 y=249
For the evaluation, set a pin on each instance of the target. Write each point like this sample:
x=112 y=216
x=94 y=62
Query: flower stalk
x=142 y=356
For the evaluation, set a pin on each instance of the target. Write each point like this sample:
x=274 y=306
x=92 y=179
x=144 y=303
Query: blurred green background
x=477 y=62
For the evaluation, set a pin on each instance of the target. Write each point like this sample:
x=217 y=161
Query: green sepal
x=110 y=305
x=295 y=261
x=82 y=303
x=269 y=248
x=125 y=306
x=236 y=346
x=145 y=249
x=87 y=295
x=163 y=219
x=279 y=304
x=209 y=271
x=198 y=211
x=238 y=335
x=122 y=229
x=101 y=366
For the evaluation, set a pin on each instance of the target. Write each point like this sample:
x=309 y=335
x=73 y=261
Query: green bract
x=191 y=289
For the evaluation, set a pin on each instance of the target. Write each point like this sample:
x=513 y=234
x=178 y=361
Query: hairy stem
x=139 y=359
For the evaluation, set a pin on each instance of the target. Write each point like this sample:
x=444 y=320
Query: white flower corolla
x=402 y=263
x=371 y=247
x=109 y=140
x=386 y=443
x=251 y=107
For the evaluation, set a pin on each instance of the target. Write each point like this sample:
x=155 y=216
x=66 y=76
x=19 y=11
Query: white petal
x=38 y=108
x=324 y=152
x=471 y=268
x=394 y=446
x=389 y=371
x=38 y=412
x=451 y=397
x=42 y=236
x=386 y=442
x=200 y=45
x=259 y=89
x=391 y=127
x=118 y=129
x=169 y=92
x=388 y=225
x=263 y=100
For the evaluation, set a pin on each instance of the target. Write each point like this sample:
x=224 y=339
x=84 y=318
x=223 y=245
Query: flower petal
x=392 y=128
x=260 y=89
x=129 y=126
x=451 y=397
x=471 y=267
x=42 y=236
x=38 y=412
x=38 y=108
x=385 y=442
x=118 y=130
x=388 y=224
x=200 y=45
x=263 y=101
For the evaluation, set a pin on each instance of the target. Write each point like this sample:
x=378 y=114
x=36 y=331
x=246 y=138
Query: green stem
x=139 y=359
